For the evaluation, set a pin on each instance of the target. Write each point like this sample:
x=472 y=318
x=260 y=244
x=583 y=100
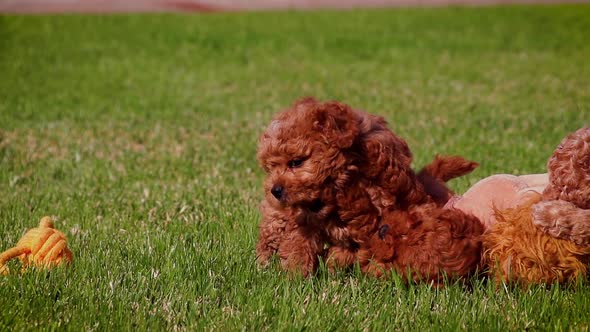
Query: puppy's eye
x=294 y=163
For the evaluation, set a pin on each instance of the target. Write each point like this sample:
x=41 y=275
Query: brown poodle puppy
x=517 y=251
x=331 y=172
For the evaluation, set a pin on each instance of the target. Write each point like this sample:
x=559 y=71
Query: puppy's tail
x=445 y=168
x=440 y=170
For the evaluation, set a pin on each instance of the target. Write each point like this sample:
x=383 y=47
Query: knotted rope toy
x=43 y=246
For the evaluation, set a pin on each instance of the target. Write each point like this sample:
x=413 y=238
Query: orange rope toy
x=43 y=246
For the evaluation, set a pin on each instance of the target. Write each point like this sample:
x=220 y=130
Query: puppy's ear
x=337 y=122
x=308 y=100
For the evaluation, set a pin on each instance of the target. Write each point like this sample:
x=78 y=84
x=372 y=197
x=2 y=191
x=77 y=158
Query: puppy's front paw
x=545 y=213
x=296 y=266
x=262 y=260
x=339 y=257
x=263 y=254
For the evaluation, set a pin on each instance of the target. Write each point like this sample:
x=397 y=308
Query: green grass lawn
x=139 y=133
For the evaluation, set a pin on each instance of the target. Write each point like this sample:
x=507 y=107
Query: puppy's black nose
x=277 y=191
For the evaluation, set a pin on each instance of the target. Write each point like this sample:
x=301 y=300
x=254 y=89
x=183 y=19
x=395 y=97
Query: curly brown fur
x=569 y=170
x=516 y=251
x=424 y=243
x=563 y=220
x=320 y=157
x=565 y=211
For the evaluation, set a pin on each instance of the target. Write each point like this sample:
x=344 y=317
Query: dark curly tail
x=440 y=170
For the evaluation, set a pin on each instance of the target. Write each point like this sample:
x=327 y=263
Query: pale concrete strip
x=105 y=6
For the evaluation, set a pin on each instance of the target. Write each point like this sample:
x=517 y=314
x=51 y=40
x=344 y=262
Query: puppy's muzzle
x=277 y=191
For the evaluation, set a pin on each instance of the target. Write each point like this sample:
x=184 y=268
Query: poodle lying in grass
x=340 y=186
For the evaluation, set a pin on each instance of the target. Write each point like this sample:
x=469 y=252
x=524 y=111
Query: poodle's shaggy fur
x=333 y=173
x=518 y=251
x=565 y=213
x=563 y=220
x=569 y=170
x=424 y=243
